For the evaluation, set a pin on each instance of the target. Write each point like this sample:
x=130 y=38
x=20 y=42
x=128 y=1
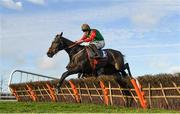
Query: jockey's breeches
x=99 y=44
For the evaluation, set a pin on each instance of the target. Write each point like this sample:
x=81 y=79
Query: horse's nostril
x=49 y=54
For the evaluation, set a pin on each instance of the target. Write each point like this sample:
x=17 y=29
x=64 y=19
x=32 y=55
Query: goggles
x=85 y=30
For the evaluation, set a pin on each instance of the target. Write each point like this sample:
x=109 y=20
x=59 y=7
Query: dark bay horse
x=79 y=62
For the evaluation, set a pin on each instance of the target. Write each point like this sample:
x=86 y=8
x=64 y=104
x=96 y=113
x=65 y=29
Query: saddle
x=96 y=62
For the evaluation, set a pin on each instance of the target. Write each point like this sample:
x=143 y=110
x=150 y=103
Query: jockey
x=94 y=37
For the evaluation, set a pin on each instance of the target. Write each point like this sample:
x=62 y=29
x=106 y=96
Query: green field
x=47 y=107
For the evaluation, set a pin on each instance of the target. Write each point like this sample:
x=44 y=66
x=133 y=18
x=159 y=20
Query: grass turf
x=50 y=107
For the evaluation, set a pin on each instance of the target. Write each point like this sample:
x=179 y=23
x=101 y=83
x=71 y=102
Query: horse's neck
x=67 y=41
x=72 y=50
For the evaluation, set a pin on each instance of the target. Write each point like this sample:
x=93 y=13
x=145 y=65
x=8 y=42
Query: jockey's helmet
x=85 y=27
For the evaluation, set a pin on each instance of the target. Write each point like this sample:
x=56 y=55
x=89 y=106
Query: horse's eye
x=56 y=39
x=57 y=35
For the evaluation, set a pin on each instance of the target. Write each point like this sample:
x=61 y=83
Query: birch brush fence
x=161 y=91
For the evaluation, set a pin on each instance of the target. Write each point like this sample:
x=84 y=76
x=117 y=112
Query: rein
x=72 y=45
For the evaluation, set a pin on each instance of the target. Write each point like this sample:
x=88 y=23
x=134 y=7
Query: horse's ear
x=61 y=34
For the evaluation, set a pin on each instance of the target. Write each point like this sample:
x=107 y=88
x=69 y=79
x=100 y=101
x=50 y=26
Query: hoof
x=57 y=89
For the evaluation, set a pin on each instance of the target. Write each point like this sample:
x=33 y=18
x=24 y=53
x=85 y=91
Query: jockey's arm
x=83 y=38
x=91 y=38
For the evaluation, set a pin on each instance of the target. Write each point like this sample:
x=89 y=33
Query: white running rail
x=20 y=76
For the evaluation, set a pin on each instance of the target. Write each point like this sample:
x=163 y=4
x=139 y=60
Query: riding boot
x=96 y=51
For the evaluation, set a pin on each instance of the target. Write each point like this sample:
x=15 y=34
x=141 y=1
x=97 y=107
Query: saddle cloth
x=96 y=62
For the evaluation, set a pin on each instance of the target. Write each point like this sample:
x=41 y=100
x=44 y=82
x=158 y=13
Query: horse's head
x=56 y=45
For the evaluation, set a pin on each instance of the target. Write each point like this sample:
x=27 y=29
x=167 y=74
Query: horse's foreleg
x=64 y=75
x=80 y=75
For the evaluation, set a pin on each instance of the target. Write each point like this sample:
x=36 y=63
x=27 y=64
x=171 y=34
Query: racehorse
x=81 y=63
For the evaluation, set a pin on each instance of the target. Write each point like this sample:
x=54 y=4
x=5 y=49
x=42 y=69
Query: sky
x=147 y=32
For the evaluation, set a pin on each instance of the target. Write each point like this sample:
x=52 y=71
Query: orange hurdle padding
x=52 y=93
x=32 y=93
x=139 y=93
x=75 y=91
x=105 y=92
x=15 y=94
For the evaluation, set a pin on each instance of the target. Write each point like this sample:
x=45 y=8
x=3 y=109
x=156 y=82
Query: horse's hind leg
x=126 y=66
x=124 y=74
x=124 y=84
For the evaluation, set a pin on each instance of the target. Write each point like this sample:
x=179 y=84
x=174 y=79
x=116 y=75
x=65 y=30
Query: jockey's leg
x=95 y=50
x=98 y=45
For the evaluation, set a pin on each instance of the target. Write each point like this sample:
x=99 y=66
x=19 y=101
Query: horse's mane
x=69 y=42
